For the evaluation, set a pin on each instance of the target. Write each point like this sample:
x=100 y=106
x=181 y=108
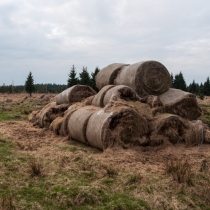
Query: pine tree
x=172 y=80
x=179 y=82
x=93 y=75
x=206 y=87
x=29 y=84
x=84 y=77
x=194 y=88
x=72 y=80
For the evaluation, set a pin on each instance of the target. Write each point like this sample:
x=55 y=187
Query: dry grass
x=180 y=170
x=35 y=168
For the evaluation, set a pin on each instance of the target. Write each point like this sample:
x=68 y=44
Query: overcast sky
x=48 y=37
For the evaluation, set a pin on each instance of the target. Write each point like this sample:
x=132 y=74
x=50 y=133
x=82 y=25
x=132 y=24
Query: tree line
x=84 y=78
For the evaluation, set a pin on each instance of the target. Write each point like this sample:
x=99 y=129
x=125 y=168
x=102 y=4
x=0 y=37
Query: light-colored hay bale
x=181 y=103
x=55 y=125
x=78 y=123
x=120 y=91
x=146 y=78
x=99 y=97
x=74 y=94
x=64 y=131
x=33 y=116
x=108 y=74
x=117 y=125
x=168 y=127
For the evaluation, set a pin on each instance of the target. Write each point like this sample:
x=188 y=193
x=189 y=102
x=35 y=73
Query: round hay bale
x=43 y=112
x=181 y=103
x=78 y=123
x=120 y=125
x=171 y=127
x=120 y=91
x=64 y=131
x=55 y=125
x=74 y=94
x=146 y=78
x=99 y=97
x=108 y=74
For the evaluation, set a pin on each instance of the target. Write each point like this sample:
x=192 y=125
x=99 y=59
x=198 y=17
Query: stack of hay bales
x=134 y=107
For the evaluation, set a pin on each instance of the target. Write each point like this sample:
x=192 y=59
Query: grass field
x=42 y=171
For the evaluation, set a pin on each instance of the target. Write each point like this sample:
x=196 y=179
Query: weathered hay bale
x=74 y=94
x=108 y=74
x=207 y=136
x=146 y=78
x=41 y=115
x=55 y=126
x=181 y=103
x=33 y=116
x=50 y=112
x=78 y=123
x=119 y=125
x=99 y=97
x=64 y=131
x=168 y=127
x=120 y=91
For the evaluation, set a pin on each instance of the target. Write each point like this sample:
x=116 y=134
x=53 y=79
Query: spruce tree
x=172 y=80
x=206 y=87
x=179 y=82
x=93 y=75
x=29 y=84
x=72 y=80
x=84 y=77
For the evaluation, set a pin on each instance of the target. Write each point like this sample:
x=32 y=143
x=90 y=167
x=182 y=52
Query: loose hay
x=78 y=123
x=74 y=94
x=146 y=78
x=108 y=74
x=181 y=103
x=114 y=126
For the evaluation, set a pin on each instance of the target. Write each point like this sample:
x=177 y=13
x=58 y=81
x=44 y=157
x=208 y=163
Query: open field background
x=40 y=170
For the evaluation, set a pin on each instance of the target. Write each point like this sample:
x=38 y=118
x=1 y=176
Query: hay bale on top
x=99 y=97
x=74 y=94
x=120 y=91
x=181 y=103
x=78 y=123
x=168 y=128
x=108 y=74
x=146 y=78
x=121 y=125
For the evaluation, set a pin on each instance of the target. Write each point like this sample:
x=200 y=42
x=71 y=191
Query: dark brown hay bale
x=78 y=123
x=108 y=74
x=74 y=94
x=99 y=97
x=170 y=128
x=146 y=78
x=181 y=103
x=120 y=91
x=64 y=131
x=116 y=125
x=55 y=126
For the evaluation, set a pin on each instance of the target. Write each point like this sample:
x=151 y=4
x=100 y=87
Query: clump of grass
x=111 y=171
x=7 y=203
x=134 y=178
x=180 y=170
x=35 y=168
x=204 y=166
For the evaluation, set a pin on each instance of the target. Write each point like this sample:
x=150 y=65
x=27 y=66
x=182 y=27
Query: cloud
x=48 y=37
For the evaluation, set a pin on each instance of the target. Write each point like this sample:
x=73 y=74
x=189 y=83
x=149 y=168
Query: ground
x=40 y=170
